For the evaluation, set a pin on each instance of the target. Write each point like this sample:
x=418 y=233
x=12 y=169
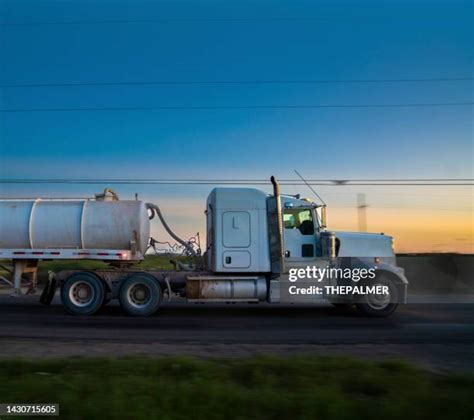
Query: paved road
x=439 y=335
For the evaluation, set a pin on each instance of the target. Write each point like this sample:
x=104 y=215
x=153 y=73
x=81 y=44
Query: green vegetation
x=160 y=262
x=261 y=388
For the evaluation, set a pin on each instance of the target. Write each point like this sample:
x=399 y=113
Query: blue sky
x=347 y=40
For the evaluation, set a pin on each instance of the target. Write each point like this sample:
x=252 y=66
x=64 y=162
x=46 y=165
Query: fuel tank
x=212 y=288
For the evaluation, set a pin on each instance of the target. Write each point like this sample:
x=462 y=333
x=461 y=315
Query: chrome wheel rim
x=139 y=295
x=379 y=301
x=81 y=293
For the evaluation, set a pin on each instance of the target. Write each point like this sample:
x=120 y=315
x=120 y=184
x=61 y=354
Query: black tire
x=140 y=295
x=369 y=308
x=82 y=294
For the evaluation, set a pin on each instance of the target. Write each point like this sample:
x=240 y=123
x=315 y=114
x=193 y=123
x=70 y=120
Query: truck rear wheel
x=374 y=305
x=82 y=294
x=140 y=295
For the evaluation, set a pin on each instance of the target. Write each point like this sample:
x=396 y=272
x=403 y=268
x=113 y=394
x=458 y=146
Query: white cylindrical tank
x=74 y=224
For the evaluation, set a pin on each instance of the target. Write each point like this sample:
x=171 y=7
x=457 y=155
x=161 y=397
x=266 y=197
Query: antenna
x=310 y=187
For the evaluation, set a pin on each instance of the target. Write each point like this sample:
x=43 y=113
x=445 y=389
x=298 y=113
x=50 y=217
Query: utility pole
x=362 y=212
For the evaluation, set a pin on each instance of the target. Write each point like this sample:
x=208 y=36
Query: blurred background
x=243 y=90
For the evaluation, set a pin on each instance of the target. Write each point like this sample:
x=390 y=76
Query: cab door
x=299 y=229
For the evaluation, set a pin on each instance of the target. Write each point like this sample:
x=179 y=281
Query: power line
x=242 y=19
x=434 y=208
x=175 y=19
x=252 y=180
x=381 y=182
x=236 y=107
x=190 y=180
x=236 y=82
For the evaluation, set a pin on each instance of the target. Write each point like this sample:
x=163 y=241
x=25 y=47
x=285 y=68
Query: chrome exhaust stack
x=275 y=231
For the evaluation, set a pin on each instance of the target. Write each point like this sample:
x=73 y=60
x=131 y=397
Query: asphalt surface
x=440 y=336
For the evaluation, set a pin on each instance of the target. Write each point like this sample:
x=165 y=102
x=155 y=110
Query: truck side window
x=301 y=219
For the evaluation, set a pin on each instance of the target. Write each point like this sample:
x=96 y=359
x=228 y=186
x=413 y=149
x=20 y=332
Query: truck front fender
x=397 y=276
x=392 y=271
x=388 y=270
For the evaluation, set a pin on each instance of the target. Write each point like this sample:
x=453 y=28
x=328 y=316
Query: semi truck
x=255 y=244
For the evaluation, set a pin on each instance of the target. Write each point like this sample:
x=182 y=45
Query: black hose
x=155 y=209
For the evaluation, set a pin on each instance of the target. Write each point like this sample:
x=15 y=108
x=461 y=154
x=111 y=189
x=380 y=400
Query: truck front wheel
x=379 y=305
x=140 y=295
x=82 y=294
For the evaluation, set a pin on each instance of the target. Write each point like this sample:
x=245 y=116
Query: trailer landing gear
x=23 y=269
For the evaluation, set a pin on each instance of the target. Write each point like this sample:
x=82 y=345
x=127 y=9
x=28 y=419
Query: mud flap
x=49 y=290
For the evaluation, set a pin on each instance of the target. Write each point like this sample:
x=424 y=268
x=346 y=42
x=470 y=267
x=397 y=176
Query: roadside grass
x=308 y=387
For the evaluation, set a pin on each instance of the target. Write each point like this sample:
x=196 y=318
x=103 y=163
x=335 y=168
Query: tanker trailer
x=100 y=228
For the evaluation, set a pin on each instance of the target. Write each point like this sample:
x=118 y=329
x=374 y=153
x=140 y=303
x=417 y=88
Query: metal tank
x=226 y=289
x=74 y=224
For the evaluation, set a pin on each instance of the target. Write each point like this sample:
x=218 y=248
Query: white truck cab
x=242 y=240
